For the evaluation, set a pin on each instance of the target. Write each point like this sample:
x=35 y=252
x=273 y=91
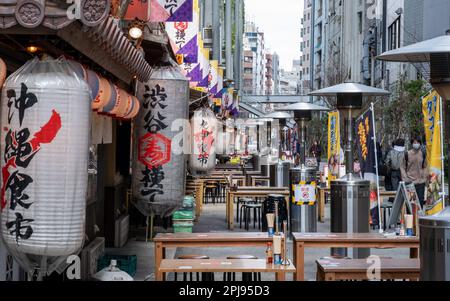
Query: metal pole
x=238 y=44
x=258 y=148
x=216 y=29
x=376 y=167
x=442 y=152
x=281 y=142
x=348 y=147
x=229 y=55
x=302 y=139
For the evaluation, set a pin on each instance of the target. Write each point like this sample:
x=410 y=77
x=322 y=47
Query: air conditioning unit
x=207 y=37
x=122 y=226
x=89 y=257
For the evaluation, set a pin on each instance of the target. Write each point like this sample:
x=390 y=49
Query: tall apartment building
x=269 y=86
x=276 y=73
x=254 y=53
x=305 y=47
x=217 y=20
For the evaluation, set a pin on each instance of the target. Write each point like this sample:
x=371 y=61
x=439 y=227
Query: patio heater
x=265 y=157
x=432 y=59
x=350 y=195
x=303 y=214
x=279 y=171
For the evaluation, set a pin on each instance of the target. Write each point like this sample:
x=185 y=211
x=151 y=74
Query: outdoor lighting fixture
x=32 y=49
x=350 y=195
x=303 y=114
x=135 y=32
x=432 y=60
x=136 y=29
x=282 y=117
x=350 y=102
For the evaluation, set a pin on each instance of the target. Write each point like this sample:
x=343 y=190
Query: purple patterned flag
x=171 y=10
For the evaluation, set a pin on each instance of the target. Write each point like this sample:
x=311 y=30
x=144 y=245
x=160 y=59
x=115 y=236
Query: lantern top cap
x=350 y=88
x=303 y=106
x=278 y=115
x=419 y=52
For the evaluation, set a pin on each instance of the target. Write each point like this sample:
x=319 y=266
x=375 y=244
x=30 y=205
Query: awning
x=94 y=32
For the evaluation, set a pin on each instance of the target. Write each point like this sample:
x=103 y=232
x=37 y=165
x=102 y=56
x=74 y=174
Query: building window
x=360 y=22
x=394 y=34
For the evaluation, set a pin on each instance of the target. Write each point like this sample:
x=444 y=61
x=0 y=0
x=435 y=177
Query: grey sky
x=280 y=22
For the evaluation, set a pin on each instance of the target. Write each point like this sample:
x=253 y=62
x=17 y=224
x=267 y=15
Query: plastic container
x=126 y=263
x=183 y=227
x=183 y=215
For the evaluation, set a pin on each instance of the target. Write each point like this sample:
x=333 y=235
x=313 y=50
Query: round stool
x=241 y=202
x=256 y=215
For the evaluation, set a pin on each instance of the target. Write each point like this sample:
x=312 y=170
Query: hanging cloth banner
x=431 y=106
x=334 y=146
x=365 y=143
x=213 y=80
x=183 y=37
x=171 y=11
x=367 y=154
x=205 y=70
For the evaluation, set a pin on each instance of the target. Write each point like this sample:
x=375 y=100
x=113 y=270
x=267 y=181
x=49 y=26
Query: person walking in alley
x=414 y=168
x=393 y=162
x=316 y=151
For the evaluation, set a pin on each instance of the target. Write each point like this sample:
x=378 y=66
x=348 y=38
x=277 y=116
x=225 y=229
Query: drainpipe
x=228 y=40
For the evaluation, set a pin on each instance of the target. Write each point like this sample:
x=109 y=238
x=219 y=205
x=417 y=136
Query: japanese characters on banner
x=45 y=122
x=365 y=143
x=170 y=10
x=204 y=130
x=431 y=105
x=159 y=168
x=184 y=38
x=365 y=132
x=334 y=145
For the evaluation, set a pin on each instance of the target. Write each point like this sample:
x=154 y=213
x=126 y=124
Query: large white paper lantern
x=45 y=121
x=203 y=140
x=159 y=168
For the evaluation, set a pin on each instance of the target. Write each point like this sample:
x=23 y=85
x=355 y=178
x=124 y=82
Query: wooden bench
x=207 y=240
x=364 y=269
x=224 y=266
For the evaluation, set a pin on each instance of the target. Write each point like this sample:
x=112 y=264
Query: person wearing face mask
x=414 y=168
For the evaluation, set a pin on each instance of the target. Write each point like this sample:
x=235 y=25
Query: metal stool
x=211 y=192
x=387 y=208
x=241 y=202
x=245 y=276
x=257 y=208
x=205 y=276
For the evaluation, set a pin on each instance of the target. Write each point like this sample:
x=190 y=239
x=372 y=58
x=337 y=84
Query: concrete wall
x=436 y=18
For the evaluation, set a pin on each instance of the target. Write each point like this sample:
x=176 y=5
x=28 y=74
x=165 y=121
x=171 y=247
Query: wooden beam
x=74 y=35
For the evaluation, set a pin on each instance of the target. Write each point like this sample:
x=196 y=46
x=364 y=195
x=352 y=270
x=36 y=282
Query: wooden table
x=225 y=266
x=259 y=178
x=347 y=240
x=324 y=190
x=251 y=192
x=206 y=240
x=357 y=269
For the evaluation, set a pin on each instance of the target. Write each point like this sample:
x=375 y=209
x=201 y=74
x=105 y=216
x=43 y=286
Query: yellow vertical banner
x=334 y=146
x=431 y=107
